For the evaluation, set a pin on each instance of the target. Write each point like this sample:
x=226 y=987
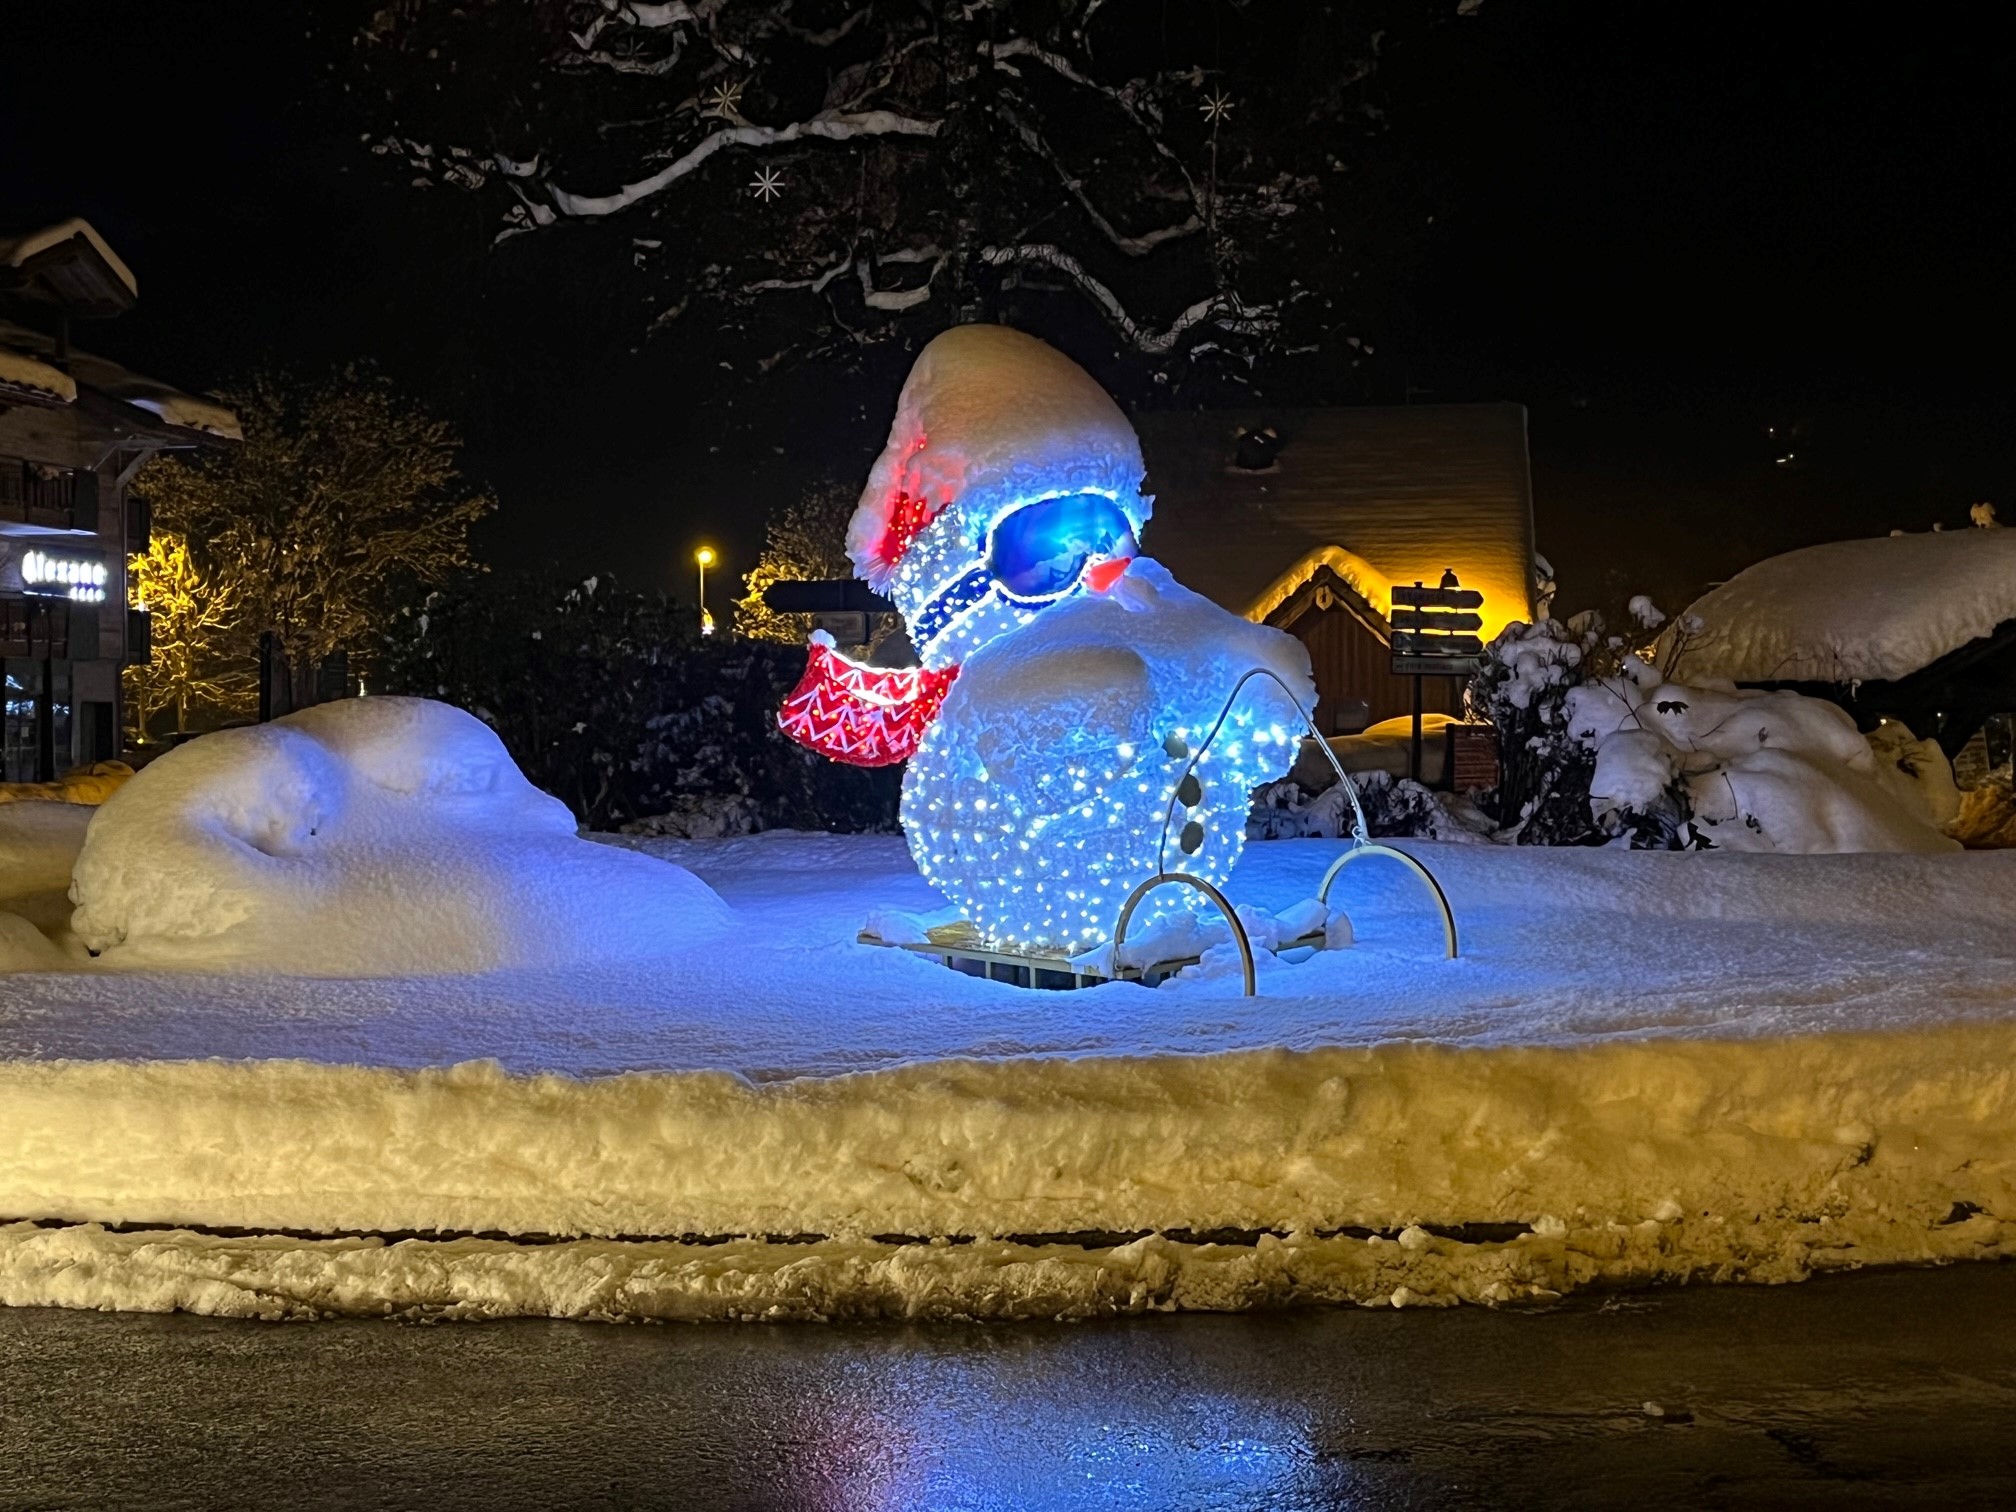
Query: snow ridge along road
x=1660 y=1066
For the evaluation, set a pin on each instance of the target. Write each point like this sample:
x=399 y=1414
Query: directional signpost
x=842 y=607
x=1435 y=634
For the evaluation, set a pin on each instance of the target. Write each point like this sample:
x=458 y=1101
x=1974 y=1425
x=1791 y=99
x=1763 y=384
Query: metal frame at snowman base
x=955 y=944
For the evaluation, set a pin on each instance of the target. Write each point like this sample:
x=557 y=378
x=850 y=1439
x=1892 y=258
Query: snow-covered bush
x=1522 y=689
x=366 y=837
x=611 y=700
x=1395 y=808
x=1743 y=769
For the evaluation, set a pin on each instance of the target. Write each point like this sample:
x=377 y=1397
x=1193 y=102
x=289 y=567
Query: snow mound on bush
x=372 y=836
x=1757 y=771
x=1853 y=610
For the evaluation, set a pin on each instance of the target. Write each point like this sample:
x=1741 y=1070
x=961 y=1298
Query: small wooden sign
x=1434 y=630
x=1419 y=597
x=1421 y=643
x=1433 y=619
x=1436 y=666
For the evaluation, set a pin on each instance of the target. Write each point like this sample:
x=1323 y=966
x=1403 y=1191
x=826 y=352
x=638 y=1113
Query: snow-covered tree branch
x=892 y=168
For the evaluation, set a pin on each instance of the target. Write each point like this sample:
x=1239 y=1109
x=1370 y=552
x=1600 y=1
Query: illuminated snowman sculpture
x=1068 y=685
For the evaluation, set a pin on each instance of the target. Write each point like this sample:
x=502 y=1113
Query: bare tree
x=831 y=172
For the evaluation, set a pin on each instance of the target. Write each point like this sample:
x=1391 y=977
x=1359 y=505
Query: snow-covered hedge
x=612 y=701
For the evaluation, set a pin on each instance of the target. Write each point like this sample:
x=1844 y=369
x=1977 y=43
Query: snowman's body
x=1074 y=754
x=1053 y=780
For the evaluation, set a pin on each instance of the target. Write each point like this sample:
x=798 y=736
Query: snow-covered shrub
x=611 y=700
x=1742 y=769
x=1395 y=807
x=368 y=836
x=1522 y=688
x=1525 y=688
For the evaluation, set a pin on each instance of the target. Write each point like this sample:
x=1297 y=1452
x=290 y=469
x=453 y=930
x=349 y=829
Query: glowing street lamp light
x=705 y=558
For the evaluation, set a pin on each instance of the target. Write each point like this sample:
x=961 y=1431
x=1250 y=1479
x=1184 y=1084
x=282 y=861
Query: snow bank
x=1759 y=771
x=1781 y=1157
x=1664 y=1065
x=1851 y=610
x=85 y=1266
x=369 y=836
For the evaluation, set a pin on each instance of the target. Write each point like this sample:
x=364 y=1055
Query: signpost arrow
x=1418 y=597
x=1415 y=643
x=1435 y=619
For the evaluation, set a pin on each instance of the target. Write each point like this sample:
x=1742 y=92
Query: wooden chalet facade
x=74 y=429
x=1307 y=519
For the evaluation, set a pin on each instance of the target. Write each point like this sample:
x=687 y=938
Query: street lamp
x=705 y=557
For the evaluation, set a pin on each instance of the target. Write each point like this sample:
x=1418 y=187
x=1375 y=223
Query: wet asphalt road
x=1882 y=1390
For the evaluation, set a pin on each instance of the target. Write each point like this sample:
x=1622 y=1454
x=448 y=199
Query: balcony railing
x=31 y=494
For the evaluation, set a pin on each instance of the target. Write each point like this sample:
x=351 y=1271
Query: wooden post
x=1414 y=754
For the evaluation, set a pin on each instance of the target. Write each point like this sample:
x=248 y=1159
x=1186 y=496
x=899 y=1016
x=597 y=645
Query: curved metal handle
x=1366 y=848
x=1163 y=879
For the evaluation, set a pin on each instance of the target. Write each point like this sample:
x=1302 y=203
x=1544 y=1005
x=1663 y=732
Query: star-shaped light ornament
x=1216 y=107
x=767 y=185
x=725 y=99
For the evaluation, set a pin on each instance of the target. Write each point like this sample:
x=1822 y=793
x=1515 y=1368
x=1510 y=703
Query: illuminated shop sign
x=80 y=578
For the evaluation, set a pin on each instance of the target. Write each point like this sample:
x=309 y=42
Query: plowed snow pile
x=1644 y=1066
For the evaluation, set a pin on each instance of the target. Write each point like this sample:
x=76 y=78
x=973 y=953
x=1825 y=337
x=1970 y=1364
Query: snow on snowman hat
x=1010 y=481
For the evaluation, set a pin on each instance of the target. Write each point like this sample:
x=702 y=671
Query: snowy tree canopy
x=1202 y=182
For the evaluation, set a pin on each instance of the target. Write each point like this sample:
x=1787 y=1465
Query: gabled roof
x=69 y=265
x=190 y=419
x=1383 y=496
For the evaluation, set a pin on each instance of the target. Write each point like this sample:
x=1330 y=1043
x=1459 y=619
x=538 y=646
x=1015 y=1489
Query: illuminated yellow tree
x=343 y=500
x=202 y=667
x=806 y=540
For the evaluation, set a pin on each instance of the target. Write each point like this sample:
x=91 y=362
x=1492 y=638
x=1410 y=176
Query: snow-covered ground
x=1662 y=1064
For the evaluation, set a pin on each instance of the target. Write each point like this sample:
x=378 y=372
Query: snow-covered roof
x=1853 y=611
x=26 y=377
x=31 y=351
x=71 y=264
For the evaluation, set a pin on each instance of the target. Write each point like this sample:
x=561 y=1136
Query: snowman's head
x=1011 y=482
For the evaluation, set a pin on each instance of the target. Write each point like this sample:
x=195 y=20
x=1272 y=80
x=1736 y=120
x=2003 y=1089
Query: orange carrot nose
x=1103 y=575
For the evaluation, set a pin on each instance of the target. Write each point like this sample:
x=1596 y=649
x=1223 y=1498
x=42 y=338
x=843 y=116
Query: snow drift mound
x=372 y=836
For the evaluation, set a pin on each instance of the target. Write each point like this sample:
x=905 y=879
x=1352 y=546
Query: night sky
x=1664 y=229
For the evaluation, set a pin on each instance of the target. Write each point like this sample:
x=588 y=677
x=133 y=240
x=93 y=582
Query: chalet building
x=1307 y=519
x=74 y=429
